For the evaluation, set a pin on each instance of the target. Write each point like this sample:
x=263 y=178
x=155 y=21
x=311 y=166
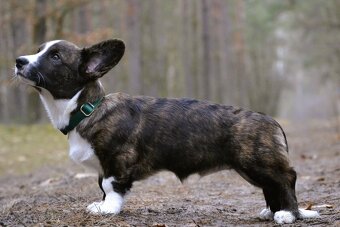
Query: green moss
x=25 y=148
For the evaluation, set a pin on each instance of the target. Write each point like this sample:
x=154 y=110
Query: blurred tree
x=263 y=83
x=134 y=44
x=269 y=56
x=317 y=23
x=35 y=110
x=18 y=35
x=186 y=47
x=206 y=43
x=239 y=48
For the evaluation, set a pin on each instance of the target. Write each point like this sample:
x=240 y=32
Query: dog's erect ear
x=100 y=58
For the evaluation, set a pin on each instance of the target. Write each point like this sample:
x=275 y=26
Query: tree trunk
x=186 y=49
x=226 y=55
x=218 y=51
x=239 y=50
x=18 y=97
x=206 y=55
x=5 y=45
x=133 y=42
x=36 y=111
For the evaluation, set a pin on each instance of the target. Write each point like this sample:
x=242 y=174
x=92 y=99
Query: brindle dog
x=127 y=138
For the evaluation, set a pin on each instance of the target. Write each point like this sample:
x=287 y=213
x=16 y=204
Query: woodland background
x=280 y=57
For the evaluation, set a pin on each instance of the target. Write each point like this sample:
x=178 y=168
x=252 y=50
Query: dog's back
x=184 y=135
x=128 y=138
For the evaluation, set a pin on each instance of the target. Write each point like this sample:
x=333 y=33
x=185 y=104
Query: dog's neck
x=60 y=110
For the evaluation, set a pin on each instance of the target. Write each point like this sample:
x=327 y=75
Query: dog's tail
x=281 y=138
x=284 y=135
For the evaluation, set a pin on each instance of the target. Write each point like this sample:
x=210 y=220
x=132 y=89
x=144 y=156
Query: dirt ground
x=57 y=195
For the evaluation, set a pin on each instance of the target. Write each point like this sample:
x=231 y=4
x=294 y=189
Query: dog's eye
x=39 y=49
x=55 y=56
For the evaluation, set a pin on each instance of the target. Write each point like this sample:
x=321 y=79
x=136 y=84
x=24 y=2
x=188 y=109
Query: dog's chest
x=82 y=152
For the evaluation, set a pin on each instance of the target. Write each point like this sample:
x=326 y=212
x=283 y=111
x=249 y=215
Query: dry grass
x=26 y=148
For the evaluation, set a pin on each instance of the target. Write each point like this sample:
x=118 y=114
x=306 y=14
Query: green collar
x=85 y=111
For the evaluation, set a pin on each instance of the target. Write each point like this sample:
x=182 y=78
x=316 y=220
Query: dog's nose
x=21 y=62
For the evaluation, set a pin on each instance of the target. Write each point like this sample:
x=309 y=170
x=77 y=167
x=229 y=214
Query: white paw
x=93 y=207
x=103 y=207
x=113 y=201
x=282 y=217
x=266 y=214
x=111 y=205
x=308 y=213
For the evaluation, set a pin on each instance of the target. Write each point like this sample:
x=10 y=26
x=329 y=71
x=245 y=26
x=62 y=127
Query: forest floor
x=57 y=193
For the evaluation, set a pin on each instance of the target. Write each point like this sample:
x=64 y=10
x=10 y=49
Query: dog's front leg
x=100 y=181
x=113 y=198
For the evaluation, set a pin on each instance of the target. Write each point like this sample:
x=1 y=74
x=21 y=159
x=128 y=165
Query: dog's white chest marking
x=59 y=112
x=81 y=152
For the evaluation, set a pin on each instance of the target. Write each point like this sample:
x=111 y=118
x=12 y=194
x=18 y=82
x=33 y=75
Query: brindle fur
x=135 y=137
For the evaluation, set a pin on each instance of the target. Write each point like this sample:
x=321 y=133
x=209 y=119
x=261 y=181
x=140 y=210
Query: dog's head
x=63 y=69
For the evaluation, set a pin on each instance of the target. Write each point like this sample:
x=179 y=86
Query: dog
x=128 y=138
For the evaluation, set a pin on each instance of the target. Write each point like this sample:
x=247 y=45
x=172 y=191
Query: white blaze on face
x=32 y=59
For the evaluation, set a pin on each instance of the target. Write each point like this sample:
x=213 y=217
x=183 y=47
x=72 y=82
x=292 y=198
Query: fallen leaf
x=159 y=225
x=323 y=206
x=321 y=179
x=49 y=182
x=85 y=175
x=309 y=206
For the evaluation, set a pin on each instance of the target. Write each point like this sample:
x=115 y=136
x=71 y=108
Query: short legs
x=113 y=200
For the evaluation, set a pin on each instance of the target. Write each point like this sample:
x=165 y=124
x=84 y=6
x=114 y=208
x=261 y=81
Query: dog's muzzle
x=20 y=63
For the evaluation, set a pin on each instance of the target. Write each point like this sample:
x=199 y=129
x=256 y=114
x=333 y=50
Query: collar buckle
x=87 y=109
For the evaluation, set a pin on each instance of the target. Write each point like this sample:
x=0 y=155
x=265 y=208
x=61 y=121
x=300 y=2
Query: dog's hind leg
x=280 y=195
x=282 y=200
x=266 y=213
x=278 y=188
